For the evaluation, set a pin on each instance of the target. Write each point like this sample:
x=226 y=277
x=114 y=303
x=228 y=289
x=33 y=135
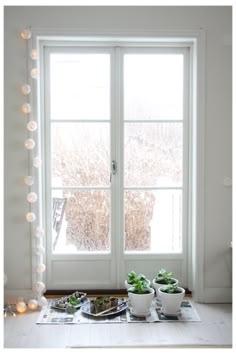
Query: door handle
x=113 y=169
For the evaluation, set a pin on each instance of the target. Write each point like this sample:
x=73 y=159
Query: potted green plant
x=133 y=277
x=171 y=298
x=140 y=296
x=163 y=278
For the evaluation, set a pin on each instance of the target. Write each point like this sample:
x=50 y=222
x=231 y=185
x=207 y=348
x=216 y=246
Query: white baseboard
x=210 y=295
x=217 y=295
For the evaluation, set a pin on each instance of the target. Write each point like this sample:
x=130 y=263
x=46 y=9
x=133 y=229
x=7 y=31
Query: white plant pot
x=128 y=286
x=159 y=285
x=141 y=303
x=171 y=302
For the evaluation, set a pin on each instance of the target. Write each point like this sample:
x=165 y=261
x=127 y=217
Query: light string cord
x=32 y=181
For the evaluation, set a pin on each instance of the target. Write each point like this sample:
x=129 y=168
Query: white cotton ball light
x=33 y=304
x=42 y=301
x=25 y=89
x=29 y=180
x=30 y=217
x=39 y=286
x=29 y=144
x=34 y=54
x=25 y=34
x=21 y=307
x=37 y=162
x=32 y=126
x=34 y=73
x=41 y=268
x=40 y=250
x=39 y=232
x=26 y=108
x=32 y=197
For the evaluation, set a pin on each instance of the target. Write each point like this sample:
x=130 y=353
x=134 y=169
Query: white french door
x=115 y=128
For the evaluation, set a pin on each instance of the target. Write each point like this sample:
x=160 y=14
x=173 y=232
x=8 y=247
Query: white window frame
x=195 y=41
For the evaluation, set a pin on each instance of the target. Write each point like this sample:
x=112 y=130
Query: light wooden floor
x=215 y=329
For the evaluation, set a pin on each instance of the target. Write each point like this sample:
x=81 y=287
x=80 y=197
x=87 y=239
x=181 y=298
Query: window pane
x=81 y=221
x=153 y=154
x=80 y=154
x=153 y=86
x=153 y=221
x=80 y=86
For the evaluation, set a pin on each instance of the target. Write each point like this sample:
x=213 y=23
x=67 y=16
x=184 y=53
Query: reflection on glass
x=80 y=154
x=80 y=86
x=153 y=221
x=81 y=221
x=153 y=86
x=153 y=154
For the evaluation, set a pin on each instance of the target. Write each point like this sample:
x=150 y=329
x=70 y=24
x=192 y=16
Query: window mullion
x=117 y=133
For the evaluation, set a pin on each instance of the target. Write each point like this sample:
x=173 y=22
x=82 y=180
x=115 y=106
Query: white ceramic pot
x=128 y=286
x=171 y=302
x=141 y=303
x=158 y=285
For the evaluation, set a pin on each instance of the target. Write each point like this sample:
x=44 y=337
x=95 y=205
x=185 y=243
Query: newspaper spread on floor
x=49 y=315
x=187 y=313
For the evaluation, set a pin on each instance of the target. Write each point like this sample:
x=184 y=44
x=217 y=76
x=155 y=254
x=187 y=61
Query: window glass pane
x=80 y=86
x=153 y=86
x=80 y=154
x=153 y=154
x=81 y=221
x=153 y=221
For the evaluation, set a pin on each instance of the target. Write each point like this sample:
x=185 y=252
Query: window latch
x=113 y=169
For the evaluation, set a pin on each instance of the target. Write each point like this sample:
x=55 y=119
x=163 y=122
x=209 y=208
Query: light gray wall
x=217 y=23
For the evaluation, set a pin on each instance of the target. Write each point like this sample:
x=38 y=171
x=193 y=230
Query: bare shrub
x=88 y=211
x=151 y=152
x=138 y=214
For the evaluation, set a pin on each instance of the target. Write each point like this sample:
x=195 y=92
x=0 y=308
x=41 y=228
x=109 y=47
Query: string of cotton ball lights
x=30 y=144
x=38 y=249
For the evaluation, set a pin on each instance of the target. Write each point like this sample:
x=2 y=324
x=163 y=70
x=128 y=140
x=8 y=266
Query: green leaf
x=73 y=300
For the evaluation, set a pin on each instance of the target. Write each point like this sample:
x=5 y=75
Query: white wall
x=216 y=21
